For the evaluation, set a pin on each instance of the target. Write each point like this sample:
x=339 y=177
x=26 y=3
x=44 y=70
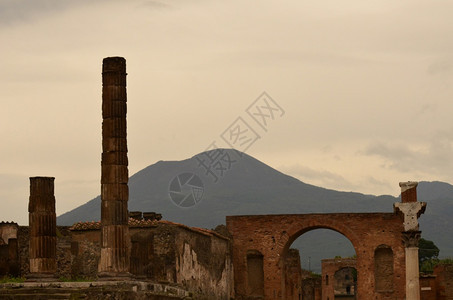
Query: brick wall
x=293 y=278
x=336 y=270
x=444 y=281
x=428 y=289
x=272 y=235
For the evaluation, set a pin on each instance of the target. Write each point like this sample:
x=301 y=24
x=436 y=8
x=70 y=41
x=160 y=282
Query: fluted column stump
x=115 y=240
x=411 y=209
x=43 y=229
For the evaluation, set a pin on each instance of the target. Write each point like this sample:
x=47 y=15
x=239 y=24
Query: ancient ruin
x=339 y=278
x=115 y=241
x=43 y=224
x=138 y=255
x=271 y=236
x=411 y=210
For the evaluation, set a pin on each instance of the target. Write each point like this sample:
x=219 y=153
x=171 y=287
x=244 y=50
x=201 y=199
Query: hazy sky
x=366 y=87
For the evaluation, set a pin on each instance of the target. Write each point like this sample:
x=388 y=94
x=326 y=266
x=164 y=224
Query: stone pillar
x=411 y=210
x=115 y=239
x=410 y=240
x=43 y=228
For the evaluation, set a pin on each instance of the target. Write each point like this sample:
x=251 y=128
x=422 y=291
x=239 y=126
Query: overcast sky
x=366 y=87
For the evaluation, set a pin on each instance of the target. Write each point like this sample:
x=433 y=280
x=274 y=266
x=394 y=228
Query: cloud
x=317 y=177
x=441 y=67
x=332 y=180
x=155 y=5
x=434 y=156
x=13 y=12
x=23 y=11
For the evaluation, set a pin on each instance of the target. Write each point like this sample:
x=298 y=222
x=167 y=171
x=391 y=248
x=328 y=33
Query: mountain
x=249 y=186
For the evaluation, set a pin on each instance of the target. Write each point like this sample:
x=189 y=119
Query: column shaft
x=43 y=225
x=412 y=274
x=115 y=240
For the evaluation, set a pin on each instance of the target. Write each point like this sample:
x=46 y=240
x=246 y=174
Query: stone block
x=114 y=174
x=114 y=128
x=114 y=144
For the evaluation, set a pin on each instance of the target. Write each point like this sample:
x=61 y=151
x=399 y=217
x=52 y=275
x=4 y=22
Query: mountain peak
x=226 y=182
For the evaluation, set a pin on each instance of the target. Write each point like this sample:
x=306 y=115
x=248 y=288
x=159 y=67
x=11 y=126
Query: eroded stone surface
x=411 y=212
x=115 y=239
x=43 y=225
x=272 y=235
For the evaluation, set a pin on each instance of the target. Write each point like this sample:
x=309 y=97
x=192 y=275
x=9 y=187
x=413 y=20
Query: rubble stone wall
x=202 y=261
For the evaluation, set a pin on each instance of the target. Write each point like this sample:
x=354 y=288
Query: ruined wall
x=311 y=288
x=64 y=258
x=9 y=252
x=293 y=278
x=196 y=259
x=23 y=237
x=202 y=261
x=142 y=250
x=8 y=230
x=338 y=277
x=428 y=288
x=444 y=281
x=63 y=251
x=272 y=235
x=85 y=253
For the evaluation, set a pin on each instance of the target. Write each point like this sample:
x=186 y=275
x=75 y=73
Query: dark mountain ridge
x=249 y=186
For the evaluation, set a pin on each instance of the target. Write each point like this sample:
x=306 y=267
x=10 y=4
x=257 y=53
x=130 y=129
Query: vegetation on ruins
x=11 y=279
x=427 y=255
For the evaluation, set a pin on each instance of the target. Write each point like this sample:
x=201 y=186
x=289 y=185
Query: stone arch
x=294 y=234
x=272 y=235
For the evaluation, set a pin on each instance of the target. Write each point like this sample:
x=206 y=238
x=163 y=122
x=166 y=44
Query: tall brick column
x=43 y=225
x=411 y=210
x=115 y=240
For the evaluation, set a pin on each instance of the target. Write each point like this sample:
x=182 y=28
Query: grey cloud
x=12 y=12
x=22 y=10
x=332 y=180
x=441 y=67
x=434 y=157
x=395 y=153
x=154 y=5
x=317 y=177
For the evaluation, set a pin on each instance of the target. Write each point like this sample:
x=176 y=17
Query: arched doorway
x=272 y=236
x=312 y=259
x=318 y=280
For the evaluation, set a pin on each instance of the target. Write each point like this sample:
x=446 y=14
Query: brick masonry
x=272 y=235
x=330 y=267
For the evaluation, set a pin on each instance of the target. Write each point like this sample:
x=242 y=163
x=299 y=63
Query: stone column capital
x=411 y=212
x=411 y=238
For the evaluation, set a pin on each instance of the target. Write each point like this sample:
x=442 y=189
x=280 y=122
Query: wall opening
x=255 y=274
x=345 y=283
x=315 y=246
x=383 y=268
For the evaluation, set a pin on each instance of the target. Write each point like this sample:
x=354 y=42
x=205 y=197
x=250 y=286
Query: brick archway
x=272 y=236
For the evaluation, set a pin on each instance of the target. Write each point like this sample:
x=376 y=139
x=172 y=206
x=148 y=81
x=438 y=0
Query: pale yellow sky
x=365 y=85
